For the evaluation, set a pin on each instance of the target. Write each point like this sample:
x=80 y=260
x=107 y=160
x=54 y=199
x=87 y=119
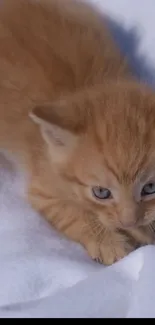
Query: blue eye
x=148 y=189
x=101 y=193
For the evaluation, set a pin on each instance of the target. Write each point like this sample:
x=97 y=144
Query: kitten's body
x=45 y=54
x=48 y=50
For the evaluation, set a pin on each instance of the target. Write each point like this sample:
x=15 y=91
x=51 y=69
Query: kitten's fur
x=90 y=124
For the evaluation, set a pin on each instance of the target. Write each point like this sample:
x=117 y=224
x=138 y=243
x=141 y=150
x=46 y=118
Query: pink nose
x=131 y=215
x=129 y=224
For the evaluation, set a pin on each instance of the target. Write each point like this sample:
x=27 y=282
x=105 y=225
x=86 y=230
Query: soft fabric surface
x=41 y=273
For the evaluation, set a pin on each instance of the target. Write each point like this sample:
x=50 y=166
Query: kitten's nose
x=130 y=216
x=129 y=224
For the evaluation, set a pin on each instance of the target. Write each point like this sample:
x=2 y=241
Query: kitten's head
x=102 y=140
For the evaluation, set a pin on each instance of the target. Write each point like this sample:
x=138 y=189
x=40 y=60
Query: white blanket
x=44 y=275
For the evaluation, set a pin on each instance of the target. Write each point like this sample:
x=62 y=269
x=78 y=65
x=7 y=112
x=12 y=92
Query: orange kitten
x=80 y=127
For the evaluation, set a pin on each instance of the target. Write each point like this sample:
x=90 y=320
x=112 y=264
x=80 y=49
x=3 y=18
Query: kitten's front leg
x=80 y=226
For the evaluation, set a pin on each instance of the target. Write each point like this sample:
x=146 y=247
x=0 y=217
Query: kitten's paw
x=109 y=251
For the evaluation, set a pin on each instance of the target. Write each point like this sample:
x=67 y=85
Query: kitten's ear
x=57 y=130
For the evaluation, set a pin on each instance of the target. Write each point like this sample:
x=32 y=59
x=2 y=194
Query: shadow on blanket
x=128 y=41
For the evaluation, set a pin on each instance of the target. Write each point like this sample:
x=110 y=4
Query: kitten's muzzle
x=128 y=225
x=131 y=216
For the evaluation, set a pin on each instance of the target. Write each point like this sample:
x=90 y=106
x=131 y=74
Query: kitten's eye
x=101 y=193
x=148 y=189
